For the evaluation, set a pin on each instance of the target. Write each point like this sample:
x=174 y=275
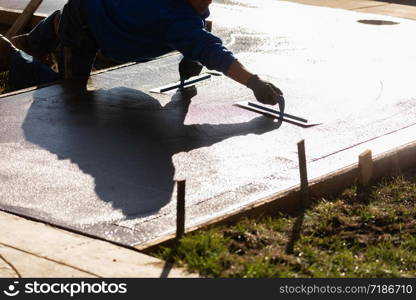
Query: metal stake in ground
x=304 y=188
x=304 y=194
x=180 y=211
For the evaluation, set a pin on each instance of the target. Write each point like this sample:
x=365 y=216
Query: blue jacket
x=133 y=30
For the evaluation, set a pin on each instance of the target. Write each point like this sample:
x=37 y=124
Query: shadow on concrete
x=377 y=22
x=167 y=268
x=125 y=140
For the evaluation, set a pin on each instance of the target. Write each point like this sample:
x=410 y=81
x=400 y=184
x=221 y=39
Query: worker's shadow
x=125 y=140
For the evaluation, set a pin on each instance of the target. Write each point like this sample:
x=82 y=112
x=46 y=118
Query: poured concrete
x=395 y=8
x=103 y=161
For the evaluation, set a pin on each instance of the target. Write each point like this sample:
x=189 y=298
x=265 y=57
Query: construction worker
x=125 y=30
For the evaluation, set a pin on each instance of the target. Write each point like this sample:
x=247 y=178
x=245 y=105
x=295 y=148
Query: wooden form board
x=24 y=18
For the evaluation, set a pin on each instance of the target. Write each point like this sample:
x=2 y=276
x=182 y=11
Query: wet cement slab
x=46 y=7
x=395 y=8
x=104 y=161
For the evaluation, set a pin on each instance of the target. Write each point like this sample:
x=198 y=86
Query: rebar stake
x=304 y=194
x=304 y=186
x=180 y=210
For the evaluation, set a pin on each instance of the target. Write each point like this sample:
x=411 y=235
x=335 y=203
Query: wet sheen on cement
x=104 y=161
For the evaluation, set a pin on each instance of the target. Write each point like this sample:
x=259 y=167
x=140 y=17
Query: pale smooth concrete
x=344 y=4
x=395 y=8
x=31 y=249
x=29 y=266
x=104 y=161
x=6 y=270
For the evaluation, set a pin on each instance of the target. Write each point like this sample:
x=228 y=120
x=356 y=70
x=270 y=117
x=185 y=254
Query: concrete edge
x=387 y=163
x=66 y=254
x=62 y=81
x=66 y=81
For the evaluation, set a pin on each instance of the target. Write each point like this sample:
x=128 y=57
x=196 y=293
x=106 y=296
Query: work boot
x=21 y=43
x=6 y=49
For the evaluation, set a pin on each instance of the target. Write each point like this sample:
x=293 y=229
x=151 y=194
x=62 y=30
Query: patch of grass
x=4 y=88
x=203 y=252
x=370 y=233
x=278 y=223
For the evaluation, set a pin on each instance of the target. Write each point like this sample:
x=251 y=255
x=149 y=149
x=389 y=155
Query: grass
x=4 y=88
x=371 y=233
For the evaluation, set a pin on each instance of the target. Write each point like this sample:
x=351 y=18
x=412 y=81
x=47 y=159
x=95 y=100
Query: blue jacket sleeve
x=189 y=37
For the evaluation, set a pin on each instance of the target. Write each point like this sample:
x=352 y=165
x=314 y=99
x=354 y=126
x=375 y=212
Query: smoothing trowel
x=182 y=84
x=272 y=112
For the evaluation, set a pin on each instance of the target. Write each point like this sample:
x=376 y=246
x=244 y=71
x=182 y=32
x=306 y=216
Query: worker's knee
x=26 y=71
x=56 y=22
x=43 y=38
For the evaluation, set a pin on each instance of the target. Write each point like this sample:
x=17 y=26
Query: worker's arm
x=239 y=73
x=264 y=91
x=198 y=45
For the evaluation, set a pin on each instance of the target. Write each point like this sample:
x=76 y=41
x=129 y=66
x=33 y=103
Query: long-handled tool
x=182 y=84
x=185 y=83
x=269 y=111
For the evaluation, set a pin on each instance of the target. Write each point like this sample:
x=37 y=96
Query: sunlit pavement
x=395 y=8
x=104 y=162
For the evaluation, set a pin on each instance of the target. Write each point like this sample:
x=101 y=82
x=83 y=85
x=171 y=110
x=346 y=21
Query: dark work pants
x=26 y=71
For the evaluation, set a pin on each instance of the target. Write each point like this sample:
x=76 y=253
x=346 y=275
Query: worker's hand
x=265 y=92
x=189 y=68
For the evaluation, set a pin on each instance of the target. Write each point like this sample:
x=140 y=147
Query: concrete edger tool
x=272 y=112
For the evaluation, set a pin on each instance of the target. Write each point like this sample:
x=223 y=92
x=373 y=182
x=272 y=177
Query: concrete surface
x=395 y=8
x=31 y=249
x=27 y=265
x=392 y=9
x=103 y=162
